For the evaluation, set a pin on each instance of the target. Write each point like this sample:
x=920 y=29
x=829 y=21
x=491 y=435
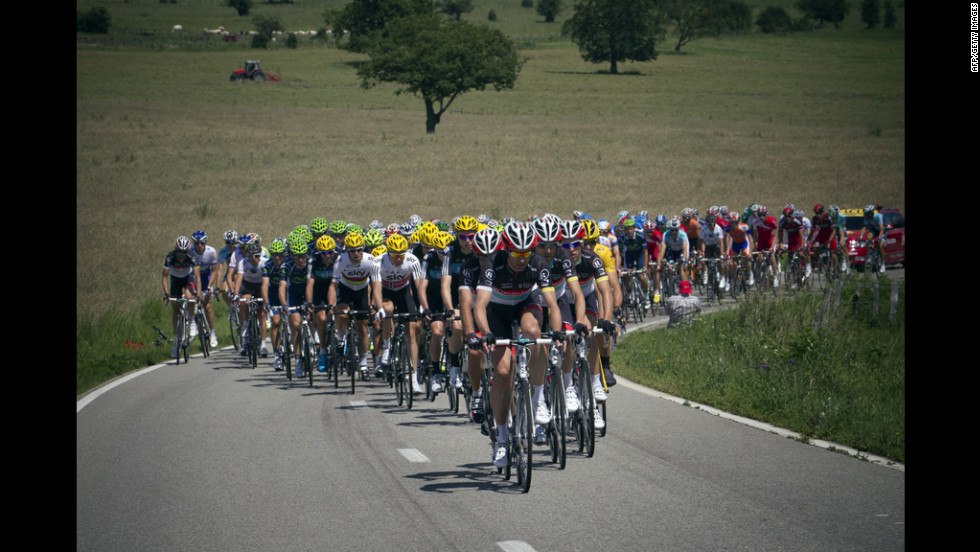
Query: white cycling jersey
x=251 y=272
x=356 y=276
x=395 y=278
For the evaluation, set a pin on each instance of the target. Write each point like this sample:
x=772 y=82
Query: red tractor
x=252 y=71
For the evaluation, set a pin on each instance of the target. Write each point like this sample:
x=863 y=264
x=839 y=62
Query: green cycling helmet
x=319 y=225
x=373 y=238
x=278 y=246
x=338 y=227
x=354 y=229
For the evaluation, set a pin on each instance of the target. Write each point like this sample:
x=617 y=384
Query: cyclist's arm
x=420 y=291
x=579 y=299
x=265 y=290
x=554 y=313
x=331 y=292
x=446 y=284
x=605 y=299
x=282 y=292
x=466 y=310
x=166 y=282
x=480 y=310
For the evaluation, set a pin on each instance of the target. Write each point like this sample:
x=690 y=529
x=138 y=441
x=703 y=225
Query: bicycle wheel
x=234 y=327
x=352 y=351
x=285 y=347
x=406 y=372
x=397 y=369
x=179 y=335
x=203 y=333
x=587 y=411
x=253 y=342
x=557 y=428
x=523 y=435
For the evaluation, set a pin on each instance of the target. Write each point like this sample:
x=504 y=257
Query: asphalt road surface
x=213 y=455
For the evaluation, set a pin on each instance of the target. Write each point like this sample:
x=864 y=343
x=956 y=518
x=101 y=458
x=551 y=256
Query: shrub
x=292 y=41
x=491 y=15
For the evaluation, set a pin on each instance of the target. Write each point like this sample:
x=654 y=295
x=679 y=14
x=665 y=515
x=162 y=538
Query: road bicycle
x=350 y=350
x=183 y=330
x=582 y=424
x=253 y=341
x=426 y=371
x=669 y=278
x=557 y=430
x=632 y=296
x=285 y=344
x=739 y=281
x=521 y=420
x=795 y=270
x=823 y=264
x=203 y=328
x=454 y=394
x=235 y=326
x=872 y=259
x=712 y=273
x=398 y=371
x=766 y=278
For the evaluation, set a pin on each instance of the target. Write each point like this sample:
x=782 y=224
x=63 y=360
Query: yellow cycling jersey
x=608 y=261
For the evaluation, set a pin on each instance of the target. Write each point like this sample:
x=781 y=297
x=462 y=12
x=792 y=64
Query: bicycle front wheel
x=523 y=435
x=234 y=327
x=557 y=428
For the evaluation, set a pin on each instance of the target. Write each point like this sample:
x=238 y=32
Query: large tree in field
x=615 y=30
x=365 y=19
x=439 y=60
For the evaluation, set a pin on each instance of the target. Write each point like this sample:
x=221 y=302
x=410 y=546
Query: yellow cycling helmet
x=353 y=241
x=590 y=228
x=379 y=251
x=466 y=223
x=325 y=243
x=414 y=238
x=397 y=244
x=442 y=240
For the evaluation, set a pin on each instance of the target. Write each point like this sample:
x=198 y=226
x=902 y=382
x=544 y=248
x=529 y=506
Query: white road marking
x=359 y=404
x=515 y=546
x=413 y=455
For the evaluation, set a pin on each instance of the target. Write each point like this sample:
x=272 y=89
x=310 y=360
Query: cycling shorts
x=740 y=247
x=402 y=299
x=501 y=318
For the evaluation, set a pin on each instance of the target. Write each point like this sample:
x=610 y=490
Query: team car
x=894 y=236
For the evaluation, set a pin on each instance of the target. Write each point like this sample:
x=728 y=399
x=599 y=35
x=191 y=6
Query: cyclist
x=608 y=239
x=824 y=233
x=355 y=285
x=654 y=231
x=181 y=278
x=874 y=229
x=514 y=285
x=271 y=275
x=248 y=283
x=398 y=271
x=320 y=272
x=598 y=310
x=791 y=230
x=460 y=251
x=486 y=241
x=206 y=258
x=675 y=247
x=763 y=233
x=840 y=234
x=565 y=281
x=712 y=239
x=738 y=246
x=224 y=260
x=616 y=294
x=689 y=224
x=633 y=245
x=433 y=248
x=293 y=277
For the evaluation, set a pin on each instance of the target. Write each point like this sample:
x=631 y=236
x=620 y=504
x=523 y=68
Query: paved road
x=212 y=455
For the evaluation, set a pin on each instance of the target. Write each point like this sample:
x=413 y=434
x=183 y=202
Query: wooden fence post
x=894 y=301
x=874 y=305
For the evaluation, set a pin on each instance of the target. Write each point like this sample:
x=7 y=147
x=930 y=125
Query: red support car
x=894 y=236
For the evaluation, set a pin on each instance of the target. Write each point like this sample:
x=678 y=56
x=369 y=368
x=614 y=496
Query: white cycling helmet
x=486 y=241
x=519 y=237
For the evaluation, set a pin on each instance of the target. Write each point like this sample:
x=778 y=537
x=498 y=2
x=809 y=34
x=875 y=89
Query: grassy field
x=844 y=383
x=166 y=145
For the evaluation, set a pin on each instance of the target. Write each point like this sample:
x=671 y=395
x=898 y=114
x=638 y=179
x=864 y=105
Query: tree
x=889 y=15
x=615 y=30
x=96 y=20
x=870 y=13
x=549 y=9
x=439 y=60
x=825 y=11
x=241 y=6
x=365 y=19
x=455 y=8
x=774 y=19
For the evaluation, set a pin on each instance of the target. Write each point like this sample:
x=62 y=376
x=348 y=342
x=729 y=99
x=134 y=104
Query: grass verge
x=844 y=383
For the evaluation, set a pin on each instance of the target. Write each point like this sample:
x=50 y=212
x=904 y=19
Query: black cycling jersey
x=511 y=287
